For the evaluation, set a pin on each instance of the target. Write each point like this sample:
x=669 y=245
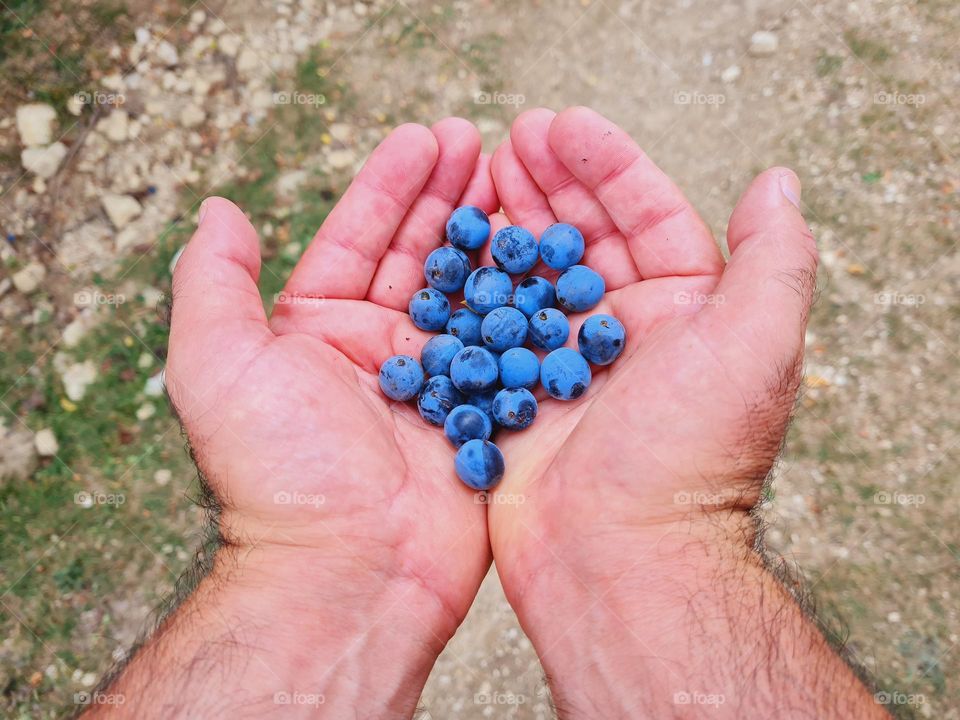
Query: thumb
x=217 y=320
x=764 y=296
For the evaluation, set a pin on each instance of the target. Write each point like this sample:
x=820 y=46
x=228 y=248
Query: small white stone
x=146 y=411
x=144 y=361
x=162 y=477
x=46 y=443
x=192 y=116
x=88 y=679
x=154 y=386
x=35 y=124
x=43 y=161
x=28 y=278
x=341 y=159
x=763 y=44
x=166 y=53
x=229 y=45
x=247 y=62
x=77 y=377
x=142 y=35
x=75 y=105
x=893 y=617
x=115 y=126
x=731 y=74
x=121 y=209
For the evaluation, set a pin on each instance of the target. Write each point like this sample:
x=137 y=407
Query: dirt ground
x=860 y=98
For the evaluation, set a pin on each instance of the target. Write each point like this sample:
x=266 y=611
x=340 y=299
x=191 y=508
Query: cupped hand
x=677 y=436
x=284 y=415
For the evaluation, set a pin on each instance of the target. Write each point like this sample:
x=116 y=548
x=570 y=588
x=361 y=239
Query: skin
x=628 y=597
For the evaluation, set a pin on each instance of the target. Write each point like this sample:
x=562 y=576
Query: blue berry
x=464 y=324
x=446 y=269
x=601 y=339
x=473 y=370
x=437 y=354
x=429 y=309
x=561 y=246
x=487 y=289
x=532 y=294
x=549 y=329
x=437 y=398
x=401 y=377
x=504 y=328
x=483 y=401
x=468 y=228
x=519 y=368
x=479 y=464
x=565 y=374
x=514 y=249
x=579 y=288
x=514 y=408
x=466 y=422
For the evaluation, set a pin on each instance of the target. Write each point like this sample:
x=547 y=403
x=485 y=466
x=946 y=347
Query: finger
x=218 y=320
x=365 y=333
x=480 y=191
x=760 y=310
x=484 y=256
x=523 y=201
x=606 y=247
x=343 y=256
x=401 y=270
x=664 y=233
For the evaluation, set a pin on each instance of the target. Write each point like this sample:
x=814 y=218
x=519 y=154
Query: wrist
x=333 y=631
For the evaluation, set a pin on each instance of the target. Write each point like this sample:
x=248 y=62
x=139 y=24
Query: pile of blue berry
x=477 y=375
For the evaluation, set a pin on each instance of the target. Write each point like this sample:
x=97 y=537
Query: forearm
x=684 y=627
x=274 y=632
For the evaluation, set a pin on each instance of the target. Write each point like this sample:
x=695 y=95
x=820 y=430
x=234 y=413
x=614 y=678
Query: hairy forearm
x=275 y=632
x=684 y=627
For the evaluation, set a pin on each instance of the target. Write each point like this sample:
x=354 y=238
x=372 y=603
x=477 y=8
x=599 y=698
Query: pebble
x=763 y=44
x=167 y=54
x=121 y=209
x=35 y=124
x=192 y=116
x=18 y=456
x=144 y=361
x=731 y=74
x=341 y=159
x=46 y=443
x=115 y=126
x=162 y=477
x=43 y=161
x=77 y=377
x=28 y=278
x=75 y=105
x=154 y=386
x=146 y=411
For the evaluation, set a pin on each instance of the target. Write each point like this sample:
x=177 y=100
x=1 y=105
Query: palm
x=286 y=417
x=652 y=426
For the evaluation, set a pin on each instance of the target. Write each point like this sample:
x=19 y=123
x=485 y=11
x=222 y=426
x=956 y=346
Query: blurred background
x=120 y=116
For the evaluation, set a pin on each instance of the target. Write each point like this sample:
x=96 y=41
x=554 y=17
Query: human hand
x=619 y=511
x=328 y=490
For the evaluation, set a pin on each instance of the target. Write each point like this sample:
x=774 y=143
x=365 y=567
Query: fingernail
x=201 y=212
x=790 y=187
